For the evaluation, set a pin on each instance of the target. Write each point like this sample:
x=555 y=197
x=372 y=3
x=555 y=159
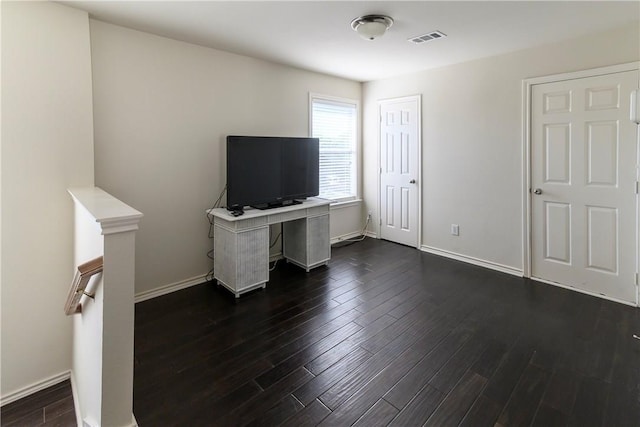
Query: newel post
x=102 y=366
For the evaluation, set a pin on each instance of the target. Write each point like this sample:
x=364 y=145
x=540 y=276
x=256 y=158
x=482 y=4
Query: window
x=335 y=122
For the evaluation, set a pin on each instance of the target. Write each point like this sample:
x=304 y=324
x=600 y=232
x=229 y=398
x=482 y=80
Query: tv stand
x=266 y=206
x=241 y=244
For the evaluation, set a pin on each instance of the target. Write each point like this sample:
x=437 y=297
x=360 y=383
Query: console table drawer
x=286 y=216
x=242 y=224
x=318 y=210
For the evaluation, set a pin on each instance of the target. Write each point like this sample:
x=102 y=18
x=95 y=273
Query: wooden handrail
x=79 y=284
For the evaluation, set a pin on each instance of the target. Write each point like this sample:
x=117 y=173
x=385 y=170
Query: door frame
x=418 y=100
x=527 y=85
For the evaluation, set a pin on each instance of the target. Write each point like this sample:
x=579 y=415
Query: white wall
x=472 y=140
x=162 y=110
x=47 y=146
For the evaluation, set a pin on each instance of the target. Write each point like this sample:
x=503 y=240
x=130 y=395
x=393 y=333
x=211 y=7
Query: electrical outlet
x=455 y=229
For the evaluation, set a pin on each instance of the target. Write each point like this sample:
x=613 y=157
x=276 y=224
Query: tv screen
x=301 y=168
x=270 y=171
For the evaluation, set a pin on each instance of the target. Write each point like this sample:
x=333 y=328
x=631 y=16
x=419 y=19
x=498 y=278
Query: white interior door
x=583 y=179
x=400 y=169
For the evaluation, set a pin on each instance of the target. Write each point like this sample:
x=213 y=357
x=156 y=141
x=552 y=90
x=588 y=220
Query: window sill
x=346 y=204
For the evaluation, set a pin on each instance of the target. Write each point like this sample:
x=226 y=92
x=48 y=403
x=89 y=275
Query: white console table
x=241 y=244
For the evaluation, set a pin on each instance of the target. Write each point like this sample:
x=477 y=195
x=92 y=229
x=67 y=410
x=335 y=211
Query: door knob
x=537 y=191
x=413 y=181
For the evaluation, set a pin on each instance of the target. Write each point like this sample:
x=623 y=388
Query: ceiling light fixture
x=371 y=27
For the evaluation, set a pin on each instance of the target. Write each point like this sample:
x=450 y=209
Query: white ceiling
x=316 y=35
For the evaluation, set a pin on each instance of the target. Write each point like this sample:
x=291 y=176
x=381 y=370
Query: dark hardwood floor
x=386 y=335
x=50 y=407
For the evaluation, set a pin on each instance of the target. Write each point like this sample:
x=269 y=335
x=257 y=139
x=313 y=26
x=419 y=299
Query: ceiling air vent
x=434 y=35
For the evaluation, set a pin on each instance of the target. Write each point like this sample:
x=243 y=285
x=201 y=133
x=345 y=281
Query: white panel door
x=583 y=176
x=399 y=170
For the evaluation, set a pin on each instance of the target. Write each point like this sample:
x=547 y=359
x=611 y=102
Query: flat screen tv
x=266 y=172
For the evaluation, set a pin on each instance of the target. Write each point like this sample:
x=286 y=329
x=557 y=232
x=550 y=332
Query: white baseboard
x=34 y=388
x=172 y=287
x=371 y=234
x=93 y=423
x=344 y=237
x=475 y=261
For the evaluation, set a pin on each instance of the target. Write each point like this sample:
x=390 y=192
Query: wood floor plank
x=306 y=355
x=385 y=290
x=58 y=409
x=622 y=409
x=31 y=418
x=507 y=375
x=589 y=408
x=490 y=359
x=483 y=412
x=323 y=361
x=419 y=409
x=403 y=391
x=261 y=403
x=601 y=358
x=392 y=299
x=272 y=317
x=549 y=417
x=455 y=406
x=32 y=407
x=364 y=398
x=526 y=397
x=169 y=401
x=65 y=419
x=453 y=370
x=407 y=306
x=379 y=415
x=204 y=411
x=393 y=269
x=414 y=319
x=287 y=350
x=398 y=293
x=330 y=357
x=223 y=355
x=278 y=413
x=372 y=329
x=561 y=392
x=308 y=392
x=237 y=357
x=623 y=404
x=354 y=380
x=310 y=415
x=222 y=386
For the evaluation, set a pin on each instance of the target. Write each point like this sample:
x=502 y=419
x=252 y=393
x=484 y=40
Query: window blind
x=334 y=123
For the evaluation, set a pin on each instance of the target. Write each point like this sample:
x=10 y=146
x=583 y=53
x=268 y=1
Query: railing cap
x=113 y=215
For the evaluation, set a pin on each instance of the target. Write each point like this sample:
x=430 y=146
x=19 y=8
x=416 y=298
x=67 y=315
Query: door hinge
x=380 y=221
x=637 y=279
x=380 y=171
x=637 y=187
